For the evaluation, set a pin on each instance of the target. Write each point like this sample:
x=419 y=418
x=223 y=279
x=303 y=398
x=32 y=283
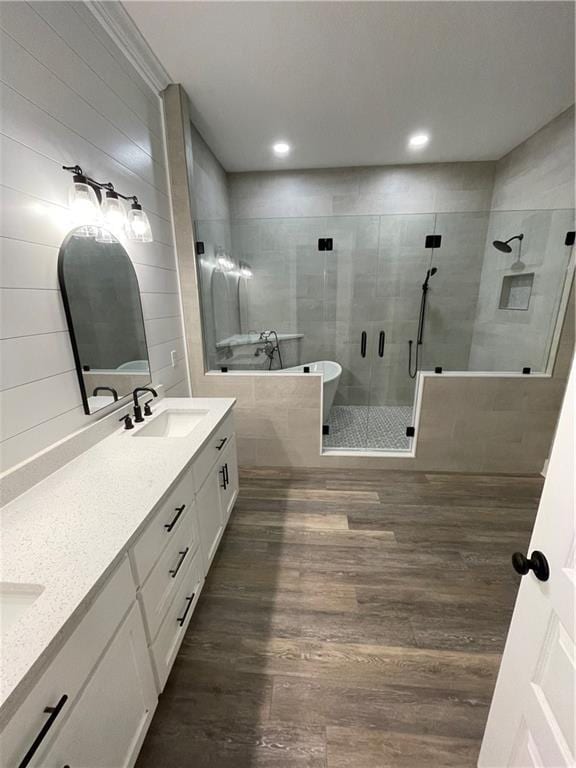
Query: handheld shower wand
x=412 y=373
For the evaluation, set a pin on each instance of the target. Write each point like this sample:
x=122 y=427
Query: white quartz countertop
x=69 y=532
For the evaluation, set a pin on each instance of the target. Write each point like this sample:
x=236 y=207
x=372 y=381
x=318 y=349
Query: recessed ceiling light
x=281 y=148
x=418 y=140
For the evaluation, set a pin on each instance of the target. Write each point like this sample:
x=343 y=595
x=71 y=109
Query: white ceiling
x=347 y=82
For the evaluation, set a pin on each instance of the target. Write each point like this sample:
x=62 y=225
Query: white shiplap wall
x=68 y=95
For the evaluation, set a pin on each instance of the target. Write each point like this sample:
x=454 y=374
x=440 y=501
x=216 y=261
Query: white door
x=532 y=720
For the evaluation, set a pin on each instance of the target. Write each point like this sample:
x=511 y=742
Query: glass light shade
x=83 y=203
x=138 y=225
x=113 y=212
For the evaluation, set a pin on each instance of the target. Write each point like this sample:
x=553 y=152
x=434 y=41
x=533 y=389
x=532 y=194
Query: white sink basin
x=171 y=423
x=15 y=600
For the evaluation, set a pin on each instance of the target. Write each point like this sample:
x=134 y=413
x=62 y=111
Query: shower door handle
x=363 y=344
x=381 y=343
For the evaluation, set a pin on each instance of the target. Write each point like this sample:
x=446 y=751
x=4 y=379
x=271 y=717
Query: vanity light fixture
x=245 y=270
x=225 y=263
x=89 y=208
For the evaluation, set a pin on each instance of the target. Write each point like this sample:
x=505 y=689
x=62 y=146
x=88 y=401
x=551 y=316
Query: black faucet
x=106 y=389
x=137 y=409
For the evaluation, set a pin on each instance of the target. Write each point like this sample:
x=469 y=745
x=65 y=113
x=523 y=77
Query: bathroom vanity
x=103 y=564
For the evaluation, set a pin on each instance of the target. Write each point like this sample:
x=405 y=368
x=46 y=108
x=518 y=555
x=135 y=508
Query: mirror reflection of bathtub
x=331 y=372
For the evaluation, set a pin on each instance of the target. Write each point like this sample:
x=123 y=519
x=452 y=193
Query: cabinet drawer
x=213 y=450
x=63 y=680
x=162 y=528
x=167 y=643
x=109 y=721
x=166 y=576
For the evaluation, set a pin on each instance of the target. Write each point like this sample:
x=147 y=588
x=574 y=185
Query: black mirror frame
x=70 y=323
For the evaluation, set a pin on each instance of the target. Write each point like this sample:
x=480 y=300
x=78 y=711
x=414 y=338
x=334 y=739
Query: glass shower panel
x=350 y=279
x=520 y=292
x=453 y=291
x=402 y=264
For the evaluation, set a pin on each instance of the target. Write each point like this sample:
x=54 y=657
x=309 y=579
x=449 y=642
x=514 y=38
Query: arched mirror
x=104 y=312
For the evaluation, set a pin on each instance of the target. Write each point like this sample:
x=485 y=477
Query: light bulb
x=418 y=140
x=225 y=263
x=138 y=225
x=245 y=271
x=113 y=211
x=83 y=202
x=281 y=148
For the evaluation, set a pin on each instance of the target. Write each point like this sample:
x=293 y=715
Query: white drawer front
x=166 y=576
x=213 y=450
x=167 y=643
x=163 y=526
x=68 y=672
x=109 y=721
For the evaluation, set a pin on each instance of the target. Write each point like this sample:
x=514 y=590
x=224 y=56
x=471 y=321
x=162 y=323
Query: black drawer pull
x=179 y=511
x=222 y=444
x=363 y=344
x=182 y=618
x=53 y=712
x=224 y=484
x=226 y=475
x=183 y=554
x=381 y=342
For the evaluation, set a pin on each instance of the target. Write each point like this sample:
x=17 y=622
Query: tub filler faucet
x=270 y=347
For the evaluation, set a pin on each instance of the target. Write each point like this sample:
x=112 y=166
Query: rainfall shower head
x=503 y=245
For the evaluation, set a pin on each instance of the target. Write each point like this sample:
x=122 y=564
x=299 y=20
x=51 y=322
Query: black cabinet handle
x=536 y=563
x=222 y=444
x=226 y=475
x=381 y=343
x=179 y=511
x=53 y=712
x=224 y=484
x=363 y=344
x=182 y=554
x=182 y=618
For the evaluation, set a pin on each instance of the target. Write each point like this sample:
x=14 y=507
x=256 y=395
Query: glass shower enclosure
x=383 y=297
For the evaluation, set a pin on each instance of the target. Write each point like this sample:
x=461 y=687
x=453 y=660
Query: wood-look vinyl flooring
x=351 y=619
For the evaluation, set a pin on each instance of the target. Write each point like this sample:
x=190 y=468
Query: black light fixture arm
x=76 y=170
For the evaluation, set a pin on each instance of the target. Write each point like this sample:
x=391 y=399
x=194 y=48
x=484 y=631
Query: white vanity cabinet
x=93 y=703
x=108 y=723
x=100 y=682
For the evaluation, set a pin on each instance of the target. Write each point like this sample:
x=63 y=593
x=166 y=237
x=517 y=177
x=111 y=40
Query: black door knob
x=536 y=563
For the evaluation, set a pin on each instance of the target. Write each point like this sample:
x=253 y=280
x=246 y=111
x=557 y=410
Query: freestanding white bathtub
x=331 y=372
